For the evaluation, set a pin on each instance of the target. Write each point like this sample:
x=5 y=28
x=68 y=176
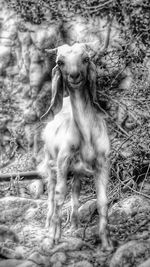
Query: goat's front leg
x=60 y=194
x=101 y=186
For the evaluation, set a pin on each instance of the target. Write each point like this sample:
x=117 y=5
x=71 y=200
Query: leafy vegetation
x=128 y=107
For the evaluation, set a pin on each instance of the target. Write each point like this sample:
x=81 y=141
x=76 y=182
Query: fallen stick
x=20 y=175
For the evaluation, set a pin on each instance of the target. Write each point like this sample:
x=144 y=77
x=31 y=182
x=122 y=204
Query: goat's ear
x=57 y=93
x=92 y=86
x=92 y=81
x=57 y=90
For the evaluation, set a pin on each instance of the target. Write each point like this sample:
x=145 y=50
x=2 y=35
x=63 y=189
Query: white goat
x=75 y=138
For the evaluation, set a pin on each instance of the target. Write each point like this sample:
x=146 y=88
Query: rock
x=10 y=263
x=8 y=253
x=30 y=116
x=36 y=188
x=81 y=264
x=45 y=37
x=39 y=259
x=90 y=233
x=5 y=54
x=28 y=263
x=46 y=245
x=16 y=209
x=87 y=209
x=12 y=71
x=30 y=213
x=24 y=69
x=127 y=206
x=58 y=257
x=20 y=252
x=9 y=28
x=145 y=187
x=70 y=244
x=130 y=253
x=23 y=58
x=36 y=68
x=57 y=264
x=145 y=263
x=24 y=38
x=6 y=233
x=127 y=217
x=79 y=30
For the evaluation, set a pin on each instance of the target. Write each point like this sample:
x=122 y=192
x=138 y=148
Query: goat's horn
x=96 y=46
x=92 y=47
x=51 y=51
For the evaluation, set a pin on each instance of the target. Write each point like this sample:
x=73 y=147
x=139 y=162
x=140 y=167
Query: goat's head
x=74 y=64
x=73 y=71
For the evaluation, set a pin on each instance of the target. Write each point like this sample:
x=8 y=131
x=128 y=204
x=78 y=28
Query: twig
x=118 y=126
x=26 y=175
x=142 y=224
x=68 y=219
x=145 y=178
x=110 y=20
x=122 y=130
x=98 y=6
x=127 y=139
x=137 y=192
x=133 y=115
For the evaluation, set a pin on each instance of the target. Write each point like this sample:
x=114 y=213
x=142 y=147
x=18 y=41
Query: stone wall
x=25 y=79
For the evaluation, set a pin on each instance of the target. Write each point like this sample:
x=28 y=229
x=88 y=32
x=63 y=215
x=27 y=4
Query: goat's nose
x=74 y=75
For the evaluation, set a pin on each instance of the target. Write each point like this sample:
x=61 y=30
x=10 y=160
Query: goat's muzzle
x=75 y=79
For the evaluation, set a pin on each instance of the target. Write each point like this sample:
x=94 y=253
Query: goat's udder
x=81 y=168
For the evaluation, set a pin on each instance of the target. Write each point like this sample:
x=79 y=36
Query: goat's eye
x=60 y=63
x=86 y=59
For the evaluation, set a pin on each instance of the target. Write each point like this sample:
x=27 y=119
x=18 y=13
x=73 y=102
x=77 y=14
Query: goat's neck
x=83 y=112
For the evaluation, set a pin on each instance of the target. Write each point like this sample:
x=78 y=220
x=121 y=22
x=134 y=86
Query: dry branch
x=22 y=175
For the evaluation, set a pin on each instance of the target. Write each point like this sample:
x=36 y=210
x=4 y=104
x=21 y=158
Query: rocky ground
x=24 y=240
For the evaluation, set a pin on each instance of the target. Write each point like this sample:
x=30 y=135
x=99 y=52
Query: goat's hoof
x=51 y=243
x=73 y=227
x=57 y=235
x=107 y=246
x=47 y=244
x=56 y=241
x=47 y=225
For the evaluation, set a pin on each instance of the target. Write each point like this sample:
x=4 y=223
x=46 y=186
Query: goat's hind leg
x=101 y=185
x=76 y=187
x=51 y=197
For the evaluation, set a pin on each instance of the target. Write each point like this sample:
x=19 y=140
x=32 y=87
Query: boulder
x=36 y=188
x=5 y=56
x=81 y=264
x=39 y=259
x=145 y=263
x=129 y=254
x=87 y=209
x=58 y=257
x=127 y=207
x=11 y=263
